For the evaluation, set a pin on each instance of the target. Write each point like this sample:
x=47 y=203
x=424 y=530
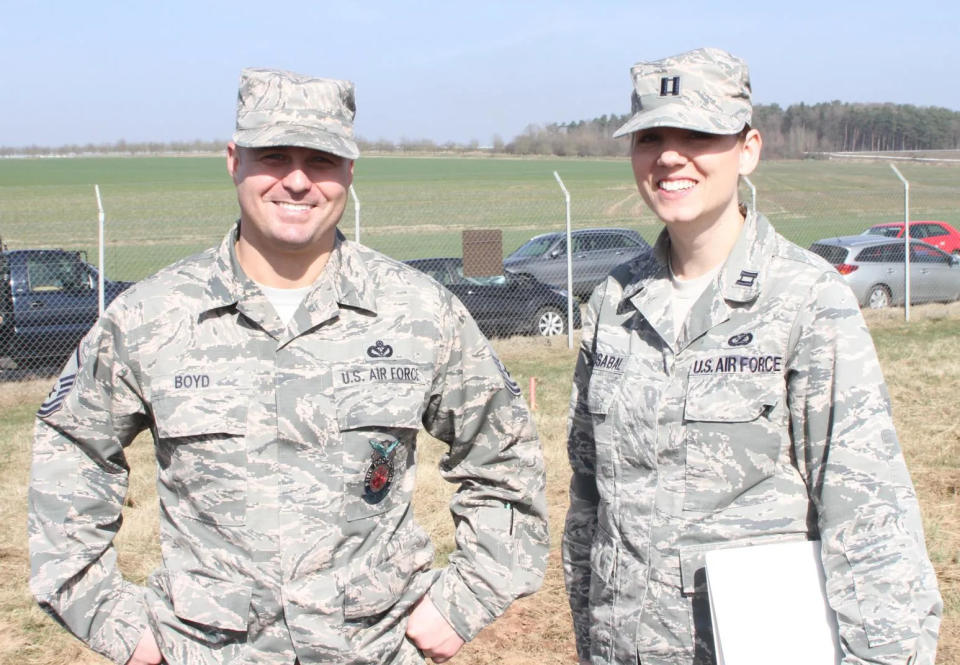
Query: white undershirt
x=686 y=292
x=285 y=301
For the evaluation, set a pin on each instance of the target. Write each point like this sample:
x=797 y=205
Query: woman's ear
x=750 y=152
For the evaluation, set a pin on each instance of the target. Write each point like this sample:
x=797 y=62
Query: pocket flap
x=883 y=561
x=725 y=399
x=379 y=586
x=209 y=601
x=178 y=416
x=377 y=408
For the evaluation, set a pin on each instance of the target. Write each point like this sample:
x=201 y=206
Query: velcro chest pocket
x=201 y=451
x=378 y=431
x=731 y=441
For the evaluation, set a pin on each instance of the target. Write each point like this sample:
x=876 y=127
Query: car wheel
x=879 y=297
x=549 y=321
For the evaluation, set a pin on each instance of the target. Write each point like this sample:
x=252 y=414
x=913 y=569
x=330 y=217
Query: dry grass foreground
x=920 y=361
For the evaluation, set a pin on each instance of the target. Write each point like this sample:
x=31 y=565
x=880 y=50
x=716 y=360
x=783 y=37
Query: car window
x=436 y=270
x=834 y=254
x=613 y=241
x=871 y=254
x=885 y=231
x=535 y=246
x=926 y=254
x=892 y=253
x=583 y=243
x=55 y=274
x=932 y=230
x=486 y=280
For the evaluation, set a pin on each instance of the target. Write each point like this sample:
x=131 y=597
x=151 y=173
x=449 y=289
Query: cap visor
x=300 y=137
x=681 y=117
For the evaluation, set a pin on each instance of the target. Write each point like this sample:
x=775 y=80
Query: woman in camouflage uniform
x=727 y=393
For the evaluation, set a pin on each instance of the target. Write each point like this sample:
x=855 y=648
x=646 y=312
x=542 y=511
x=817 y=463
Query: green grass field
x=919 y=361
x=161 y=208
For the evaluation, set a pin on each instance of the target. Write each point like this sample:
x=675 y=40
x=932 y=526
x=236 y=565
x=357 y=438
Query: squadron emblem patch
x=379 y=475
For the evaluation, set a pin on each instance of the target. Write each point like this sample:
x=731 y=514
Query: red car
x=939 y=234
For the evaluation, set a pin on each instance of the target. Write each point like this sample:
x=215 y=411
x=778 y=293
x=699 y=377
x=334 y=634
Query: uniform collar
x=344 y=282
x=739 y=282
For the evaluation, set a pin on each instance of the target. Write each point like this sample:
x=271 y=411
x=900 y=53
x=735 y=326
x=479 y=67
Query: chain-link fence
x=516 y=281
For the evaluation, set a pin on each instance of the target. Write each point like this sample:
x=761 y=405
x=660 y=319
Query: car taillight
x=846 y=268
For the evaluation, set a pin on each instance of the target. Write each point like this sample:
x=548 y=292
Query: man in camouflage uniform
x=762 y=417
x=286 y=445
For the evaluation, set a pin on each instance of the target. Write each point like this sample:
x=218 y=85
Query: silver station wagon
x=873 y=266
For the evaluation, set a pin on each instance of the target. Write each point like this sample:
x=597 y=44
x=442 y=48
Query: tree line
x=797 y=131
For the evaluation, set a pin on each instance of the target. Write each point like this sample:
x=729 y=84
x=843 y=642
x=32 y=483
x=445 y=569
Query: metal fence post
x=753 y=192
x=906 y=243
x=356 y=214
x=566 y=196
x=100 y=259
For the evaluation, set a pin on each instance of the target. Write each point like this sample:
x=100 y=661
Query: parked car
x=873 y=266
x=595 y=253
x=48 y=302
x=504 y=304
x=938 y=234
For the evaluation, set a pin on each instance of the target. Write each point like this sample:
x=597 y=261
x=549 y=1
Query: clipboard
x=768 y=604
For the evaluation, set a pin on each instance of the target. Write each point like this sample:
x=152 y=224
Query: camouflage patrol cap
x=706 y=90
x=276 y=108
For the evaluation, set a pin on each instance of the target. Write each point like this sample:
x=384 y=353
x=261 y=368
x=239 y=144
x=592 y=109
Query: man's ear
x=233 y=160
x=750 y=152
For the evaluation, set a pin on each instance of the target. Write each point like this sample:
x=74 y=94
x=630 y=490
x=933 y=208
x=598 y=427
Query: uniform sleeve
x=78 y=482
x=581 y=519
x=495 y=459
x=879 y=578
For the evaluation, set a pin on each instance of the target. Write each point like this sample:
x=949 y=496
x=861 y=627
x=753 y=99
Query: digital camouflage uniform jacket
x=767 y=420
x=286 y=462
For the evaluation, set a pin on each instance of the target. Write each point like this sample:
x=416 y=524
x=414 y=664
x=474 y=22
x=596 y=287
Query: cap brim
x=270 y=137
x=681 y=117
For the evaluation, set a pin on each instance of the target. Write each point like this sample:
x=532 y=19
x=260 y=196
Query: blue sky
x=99 y=72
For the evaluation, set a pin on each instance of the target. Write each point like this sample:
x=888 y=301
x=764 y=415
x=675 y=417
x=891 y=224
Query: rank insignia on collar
x=747 y=278
x=379 y=475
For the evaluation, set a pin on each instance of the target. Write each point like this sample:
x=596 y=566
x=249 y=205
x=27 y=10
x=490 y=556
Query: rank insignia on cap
x=379 y=475
x=747 y=278
x=670 y=86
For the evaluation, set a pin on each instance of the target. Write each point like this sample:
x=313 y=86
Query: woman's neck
x=697 y=248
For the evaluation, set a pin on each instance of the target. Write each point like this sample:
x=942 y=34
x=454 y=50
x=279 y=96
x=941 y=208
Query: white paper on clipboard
x=768 y=605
